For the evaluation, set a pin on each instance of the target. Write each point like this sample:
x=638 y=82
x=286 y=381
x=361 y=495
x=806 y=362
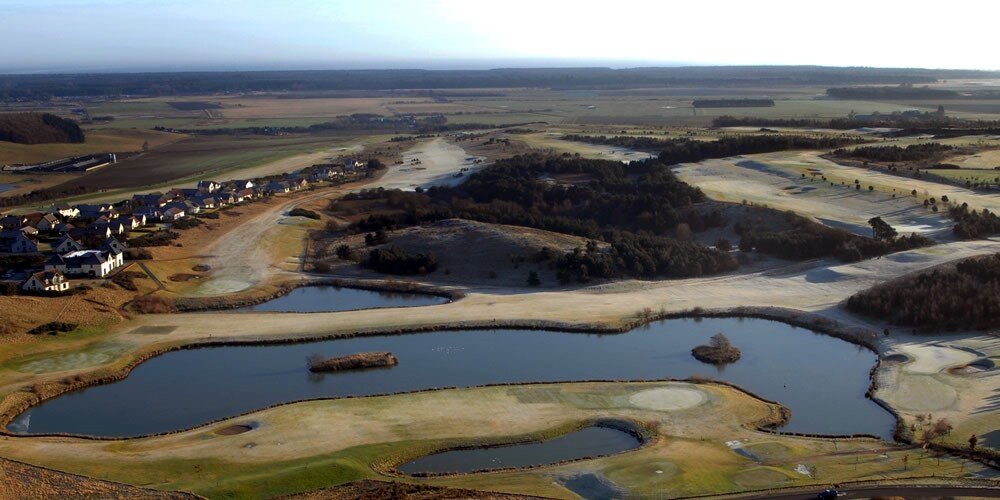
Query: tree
x=720 y=342
x=533 y=279
x=724 y=245
x=882 y=230
x=145 y=146
x=972 y=442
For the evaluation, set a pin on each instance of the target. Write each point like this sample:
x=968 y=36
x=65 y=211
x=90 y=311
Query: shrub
x=152 y=304
x=138 y=254
x=186 y=223
x=394 y=260
x=301 y=212
x=157 y=239
x=53 y=328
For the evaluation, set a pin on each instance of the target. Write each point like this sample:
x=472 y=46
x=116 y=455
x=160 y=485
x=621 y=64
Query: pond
x=322 y=298
x=7 y=187
x=820 y=378
x=592 y=441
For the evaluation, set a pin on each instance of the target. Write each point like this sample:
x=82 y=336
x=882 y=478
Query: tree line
x=38 y=128
x=800 y=239
x=963 y=296
x=683 y=150
x=913 y=152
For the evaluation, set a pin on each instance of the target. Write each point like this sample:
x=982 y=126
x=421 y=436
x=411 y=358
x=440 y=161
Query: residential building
x=46 y=281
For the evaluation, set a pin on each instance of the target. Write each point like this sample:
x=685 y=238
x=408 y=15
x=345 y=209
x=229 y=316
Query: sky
x=165 y=35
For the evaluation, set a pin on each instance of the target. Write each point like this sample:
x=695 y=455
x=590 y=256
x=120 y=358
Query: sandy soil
x=439 y=161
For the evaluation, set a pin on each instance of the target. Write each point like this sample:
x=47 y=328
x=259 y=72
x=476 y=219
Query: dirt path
x=241 y=258
x=439 y=161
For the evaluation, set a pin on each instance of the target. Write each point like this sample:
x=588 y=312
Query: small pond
x=323 y=298
x=7 y=187
x=820 y=378
x=590 y=441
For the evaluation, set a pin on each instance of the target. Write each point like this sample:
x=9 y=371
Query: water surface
x=587 y=442
x=335 y=298
x=820 y=378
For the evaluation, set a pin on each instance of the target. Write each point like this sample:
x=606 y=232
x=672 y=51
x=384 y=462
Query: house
x=351 y=165
x=47 y=222
x=9 y=222
x=66 y=245
x=46 y=281
x=298 y=183
x=66 y=210
x=209 y=186
x=63 y=228
x=238 y=185
x=148 y=215
x=17 y=242
x=93 y=263
x=129 y=222
x=113 y=246
x=151 y=200
x=96 y=230
x=97 y=211
x=205 y=202
x=117 y=226
x=277 y=187
x=173 y=213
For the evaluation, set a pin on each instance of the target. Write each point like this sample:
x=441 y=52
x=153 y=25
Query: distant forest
x=689 y=150
x=38 y=128
x=963 y=296
x=733 y=103
x=188 y=83
x=900 y=92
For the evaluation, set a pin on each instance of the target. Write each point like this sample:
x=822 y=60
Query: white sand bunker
x=934 y=358
x=676 y=397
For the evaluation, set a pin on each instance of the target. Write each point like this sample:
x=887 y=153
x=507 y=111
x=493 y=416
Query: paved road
x=899 y=491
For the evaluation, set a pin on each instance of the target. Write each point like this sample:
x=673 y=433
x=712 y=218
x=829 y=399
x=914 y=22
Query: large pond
x=591 y=441
x=820 y=378
x=335 y=298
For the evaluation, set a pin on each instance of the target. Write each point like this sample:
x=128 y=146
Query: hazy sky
x=105 y=35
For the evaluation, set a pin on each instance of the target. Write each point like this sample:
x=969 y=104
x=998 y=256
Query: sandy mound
x=678 y=397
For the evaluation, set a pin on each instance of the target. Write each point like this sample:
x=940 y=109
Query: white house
x=93 y=263
x=46 y=281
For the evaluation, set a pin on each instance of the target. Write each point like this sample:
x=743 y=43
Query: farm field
x=204 y=157
x=97 y=141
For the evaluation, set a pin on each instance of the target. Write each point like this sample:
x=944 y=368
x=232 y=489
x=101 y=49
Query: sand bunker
x=935 y=358
x=669 y=398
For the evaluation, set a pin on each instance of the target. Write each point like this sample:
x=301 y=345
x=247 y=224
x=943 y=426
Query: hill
x=38 y=128
x=472 y=251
